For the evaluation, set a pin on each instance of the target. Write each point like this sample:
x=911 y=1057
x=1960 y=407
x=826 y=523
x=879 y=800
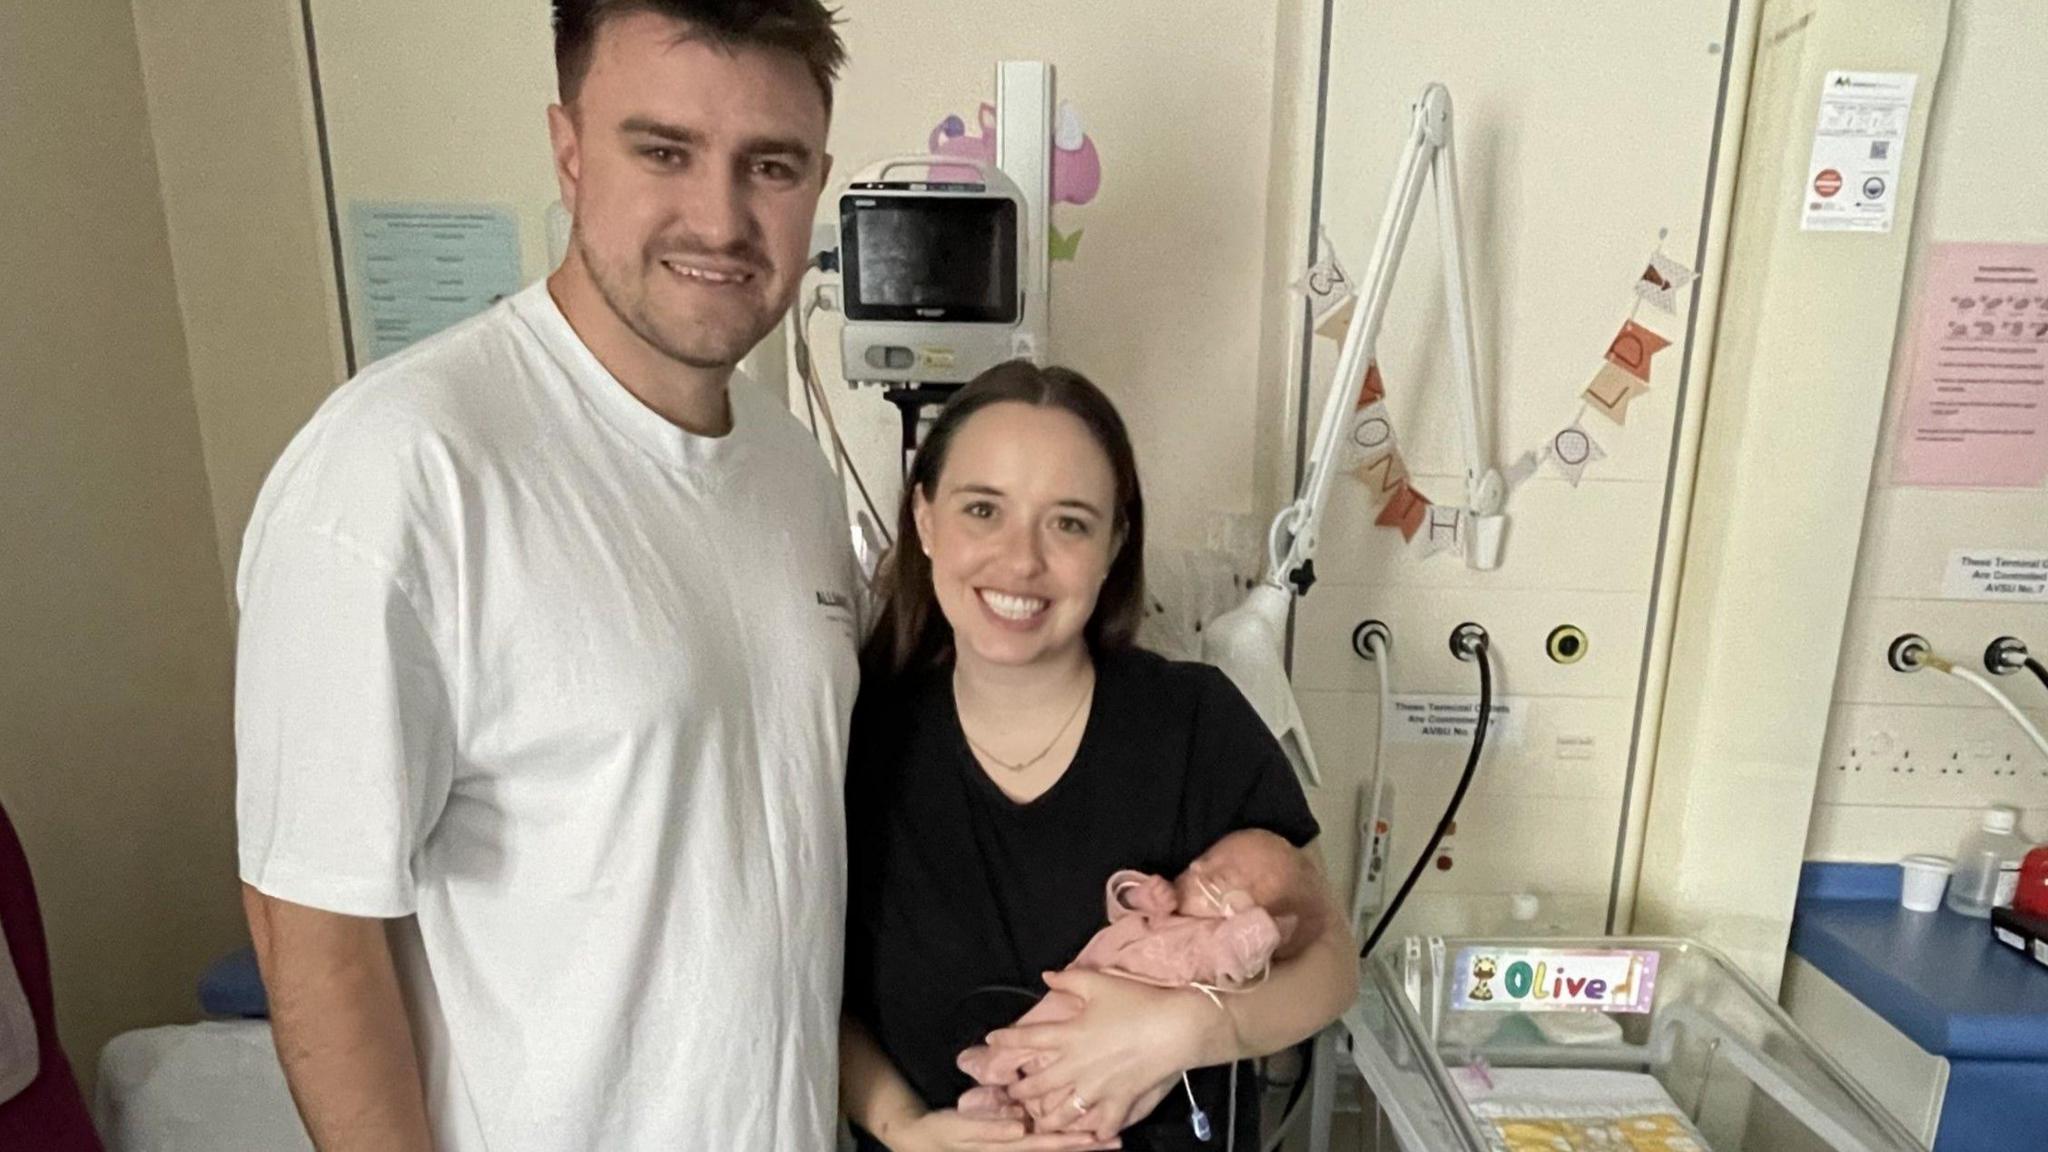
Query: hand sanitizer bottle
x=1988 y=865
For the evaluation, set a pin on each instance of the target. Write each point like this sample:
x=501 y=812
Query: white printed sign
x=1554 y=980
x=1449 y=720
x=1852 y=183
x=1577 y=747
x=421 y=268
x=1985 y=574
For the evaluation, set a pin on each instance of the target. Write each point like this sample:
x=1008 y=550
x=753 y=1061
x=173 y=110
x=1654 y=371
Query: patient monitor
x=943 y=261
x=934 y=272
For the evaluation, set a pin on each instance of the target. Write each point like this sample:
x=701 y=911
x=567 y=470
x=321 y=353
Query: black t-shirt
x=959 y=896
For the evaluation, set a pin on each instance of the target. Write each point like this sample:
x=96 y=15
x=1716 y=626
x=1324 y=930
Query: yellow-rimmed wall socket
x=1567 y=644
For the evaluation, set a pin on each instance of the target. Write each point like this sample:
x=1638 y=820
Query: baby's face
x=1241 y=870
x=1208 y=894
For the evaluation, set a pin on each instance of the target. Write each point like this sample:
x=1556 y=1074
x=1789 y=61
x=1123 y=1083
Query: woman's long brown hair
x=912 y=634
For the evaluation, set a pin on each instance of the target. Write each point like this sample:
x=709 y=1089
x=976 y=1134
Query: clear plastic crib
x=1704 y=1063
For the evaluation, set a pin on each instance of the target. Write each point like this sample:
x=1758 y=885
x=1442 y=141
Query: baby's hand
x=994 y=1067
x=989 y=1102
x=1140 y=892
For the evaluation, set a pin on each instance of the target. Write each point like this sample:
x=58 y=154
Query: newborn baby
x=1221 y=923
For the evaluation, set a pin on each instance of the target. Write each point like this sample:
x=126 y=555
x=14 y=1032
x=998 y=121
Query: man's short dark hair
x=805 y=28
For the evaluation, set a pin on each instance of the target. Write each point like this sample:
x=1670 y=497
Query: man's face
x=692 y=173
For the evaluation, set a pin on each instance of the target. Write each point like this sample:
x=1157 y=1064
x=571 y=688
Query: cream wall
x=1177 y=304
x=1163 y=306
x=230 y=113
x=1909 y=760
x=1791 y=426
x=115 y=762
x=1291 y=202
x=1572 y=163
x=1206 y=127
x=445 y=103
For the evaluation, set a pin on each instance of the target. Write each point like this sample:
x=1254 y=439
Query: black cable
x=1299 y=1087
x=2040 y=672
x=1230 y=1142
x=1443 y=826
x=1305 y=1050
x=1010 y=989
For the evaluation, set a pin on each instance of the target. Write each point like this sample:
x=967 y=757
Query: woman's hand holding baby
x=1113 y=1062
x=949 y=1131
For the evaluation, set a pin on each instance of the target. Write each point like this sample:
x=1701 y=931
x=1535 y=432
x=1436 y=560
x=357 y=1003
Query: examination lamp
x=1247 y=642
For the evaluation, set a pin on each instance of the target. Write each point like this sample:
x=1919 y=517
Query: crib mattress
x=1576 y=1110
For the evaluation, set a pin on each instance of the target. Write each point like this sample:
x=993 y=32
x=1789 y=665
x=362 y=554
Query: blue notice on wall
x=420 y=268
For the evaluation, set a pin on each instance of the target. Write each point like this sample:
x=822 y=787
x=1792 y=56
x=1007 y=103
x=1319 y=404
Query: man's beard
x=684 y=339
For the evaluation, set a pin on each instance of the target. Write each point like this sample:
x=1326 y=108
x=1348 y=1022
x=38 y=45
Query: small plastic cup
x=1923 y=879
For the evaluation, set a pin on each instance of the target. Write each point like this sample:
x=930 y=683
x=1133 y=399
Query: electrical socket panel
x=1933 y=756
x=1552 y=775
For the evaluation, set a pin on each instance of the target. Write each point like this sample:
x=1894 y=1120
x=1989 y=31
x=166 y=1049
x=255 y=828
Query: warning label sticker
x=1450 y=720
x=1982 y=574
x=1852 y=182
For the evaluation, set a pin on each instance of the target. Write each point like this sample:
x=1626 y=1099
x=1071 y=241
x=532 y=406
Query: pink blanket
x=1209 y=927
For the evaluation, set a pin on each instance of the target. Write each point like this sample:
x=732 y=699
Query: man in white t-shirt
x=548 y=651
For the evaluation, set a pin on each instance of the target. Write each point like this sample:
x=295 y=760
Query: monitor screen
x=931 y=258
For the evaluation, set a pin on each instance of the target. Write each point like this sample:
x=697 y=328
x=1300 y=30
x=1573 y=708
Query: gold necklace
x=1043 y=752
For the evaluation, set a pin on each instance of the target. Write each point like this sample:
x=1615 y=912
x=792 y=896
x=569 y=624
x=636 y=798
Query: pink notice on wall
x=1976 y=407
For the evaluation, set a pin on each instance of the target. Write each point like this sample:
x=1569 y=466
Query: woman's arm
x=1297 y=999
x=871 y=1092
x=874 y=1095
x=1130 y=1037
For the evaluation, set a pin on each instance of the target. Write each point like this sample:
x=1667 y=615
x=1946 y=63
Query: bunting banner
x=1522 y=470
x=1573 y=451
x=1662 y=281
x=1611 y=390
x=1404 y=510
x=1336 y=324
x=1369 y=436
x=1371 y=451
x=1443 y=530
x=1633 y=347
x=1383 y=476
x=1375 y=389
x=1325 y=284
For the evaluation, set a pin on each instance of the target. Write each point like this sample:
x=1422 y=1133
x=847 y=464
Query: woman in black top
x=1010 y=750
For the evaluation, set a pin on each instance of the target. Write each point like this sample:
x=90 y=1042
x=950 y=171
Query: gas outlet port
x=1567 y=644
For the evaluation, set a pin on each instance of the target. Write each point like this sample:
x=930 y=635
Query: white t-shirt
x=568 y=689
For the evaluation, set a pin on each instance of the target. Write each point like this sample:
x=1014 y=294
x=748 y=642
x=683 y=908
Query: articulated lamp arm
x=1426 y=153
x=1247 y=641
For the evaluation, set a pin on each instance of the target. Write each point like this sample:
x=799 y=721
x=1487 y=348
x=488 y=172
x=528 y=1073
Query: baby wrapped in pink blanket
x=1220 y=924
